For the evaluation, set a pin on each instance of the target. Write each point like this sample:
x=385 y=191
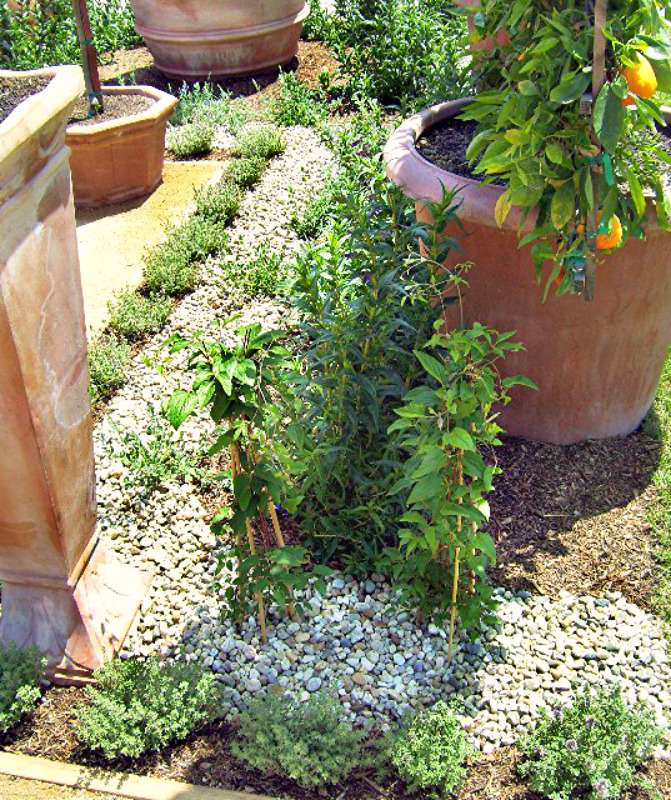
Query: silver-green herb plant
x=21 y=671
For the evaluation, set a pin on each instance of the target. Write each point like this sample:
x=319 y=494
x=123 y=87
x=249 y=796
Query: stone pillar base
x=78 y=628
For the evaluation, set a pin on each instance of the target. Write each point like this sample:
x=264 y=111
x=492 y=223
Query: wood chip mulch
x=576 y=518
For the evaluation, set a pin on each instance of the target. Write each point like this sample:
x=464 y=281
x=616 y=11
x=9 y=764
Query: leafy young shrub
x=20 y=674
x=430 y=751
x=307 y=741
x=246 y=172
x=297 y=104
x=132 y=315
x=262 y=141
x=218 y=204
x=260 y=277
x=109 y=360
x=209 y=105
x=401 y=52
x=140 y=706
x=594 y=746
x=156 y=456
x=43 y=33
x=319 y=212
x=191 y=139
x=319 y=23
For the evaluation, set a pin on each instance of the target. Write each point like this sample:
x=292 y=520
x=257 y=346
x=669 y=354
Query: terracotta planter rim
x=423 y=181
x=162 y=106
x=224 y=35
x=32 y=114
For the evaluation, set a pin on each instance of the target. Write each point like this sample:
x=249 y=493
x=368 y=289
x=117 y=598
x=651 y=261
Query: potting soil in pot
x=116 y=106
x=13 y=91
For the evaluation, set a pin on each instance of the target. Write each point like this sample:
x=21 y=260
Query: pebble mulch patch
x=356 y=638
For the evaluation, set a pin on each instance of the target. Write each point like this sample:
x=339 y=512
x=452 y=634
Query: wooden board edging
x=136 y=787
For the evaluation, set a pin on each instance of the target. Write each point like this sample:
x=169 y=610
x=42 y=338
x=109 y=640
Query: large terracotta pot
x=196 y=39
x=120 y=159
x=597 y=364
x=61 y=590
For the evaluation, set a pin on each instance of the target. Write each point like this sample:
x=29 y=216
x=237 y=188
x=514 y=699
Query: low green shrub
x=592 y=747
x=307 y=741
x=245 y=172
x=172 y=267
x=319 y=24
x=191 y=139
x=109 y=360
x=139 y=706
x=320 y=211
x=206 y=104
x=133 y=315
x=20 y=674
x=260 y=277
x=429 y=752
x=157 y=455
x=218 y=204
x=298 y=104
x=261 y=141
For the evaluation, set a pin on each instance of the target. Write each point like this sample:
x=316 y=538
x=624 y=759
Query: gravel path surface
x=355 y=638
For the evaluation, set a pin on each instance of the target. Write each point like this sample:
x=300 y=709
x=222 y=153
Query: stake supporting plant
x=89 y=57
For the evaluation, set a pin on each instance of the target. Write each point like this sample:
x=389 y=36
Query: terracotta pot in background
x=61 y=590
x=197 y=39
x=120 y=159
x=597 y=364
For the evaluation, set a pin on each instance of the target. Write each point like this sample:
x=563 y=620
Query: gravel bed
x=356 y=638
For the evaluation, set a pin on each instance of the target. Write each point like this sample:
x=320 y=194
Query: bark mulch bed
x=13 y=91
x=137 y=66
x=576 y=518
x=115 y=106
x=205 y=759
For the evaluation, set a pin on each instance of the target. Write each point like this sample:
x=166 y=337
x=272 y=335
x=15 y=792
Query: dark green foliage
x=20 y=674
x=246 y=172
x=592 y=748
x=45 y=35
x=401 y=52
x=141 y=706
x=261 y=141
x=109 y=360
x=319 y=212
x=133 y=315
x=307 y=741
x=318 y=26
x=429 y=752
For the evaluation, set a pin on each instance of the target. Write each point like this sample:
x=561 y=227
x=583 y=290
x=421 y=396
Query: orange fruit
x=612 y=239
x=580 y=229
x=641 y=78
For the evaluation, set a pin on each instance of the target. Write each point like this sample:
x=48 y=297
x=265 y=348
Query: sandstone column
x=61 y=589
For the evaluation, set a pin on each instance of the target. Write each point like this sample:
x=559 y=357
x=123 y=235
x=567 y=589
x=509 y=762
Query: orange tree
x=578 y=169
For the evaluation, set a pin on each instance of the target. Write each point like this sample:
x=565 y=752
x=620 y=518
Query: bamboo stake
x=89 y=58
x=457 y=551
x=279 y=537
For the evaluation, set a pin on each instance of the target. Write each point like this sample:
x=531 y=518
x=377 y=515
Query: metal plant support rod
x=89 y=57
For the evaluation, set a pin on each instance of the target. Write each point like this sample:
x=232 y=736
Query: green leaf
x=484 y=542
x=608 y=117
x=432 y=462
x=570 y=89
x=636 y=193
x=427 y=488
x=562 y=207
x=459 y=438
x=518 y=380
x=433 y=367
x=180 y=407
x=554 y=153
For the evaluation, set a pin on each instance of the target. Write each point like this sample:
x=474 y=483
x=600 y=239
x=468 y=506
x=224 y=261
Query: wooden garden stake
x=89 y=58
x=279 y=537
x=457 y=551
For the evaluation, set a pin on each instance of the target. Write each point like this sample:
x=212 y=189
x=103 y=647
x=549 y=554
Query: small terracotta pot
x=597 y=364
x=198 y=39
x=120 y=159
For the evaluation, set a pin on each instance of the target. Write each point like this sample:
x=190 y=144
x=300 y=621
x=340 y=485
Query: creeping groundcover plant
x=568 y=120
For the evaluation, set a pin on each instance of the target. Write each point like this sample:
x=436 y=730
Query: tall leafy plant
x=560 y=153
x=443 y=425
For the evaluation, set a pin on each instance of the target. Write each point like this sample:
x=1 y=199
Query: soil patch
x=115 y=106
x=576 y=518
x=205 y=759
x=137 y=67
x=13 y=91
